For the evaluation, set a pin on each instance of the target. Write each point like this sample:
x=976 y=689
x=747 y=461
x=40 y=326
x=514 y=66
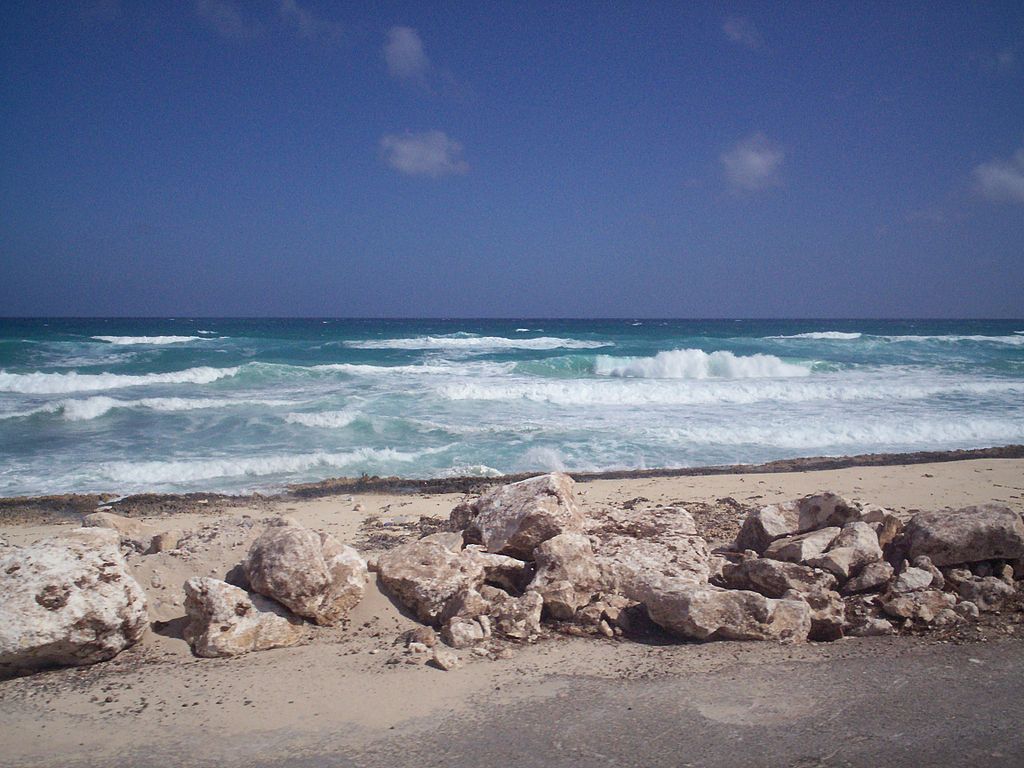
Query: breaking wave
x=152 y=340
x=323 y=419
x=479 y=343
x=60 y=383
x=822 y=335
x=697 y=364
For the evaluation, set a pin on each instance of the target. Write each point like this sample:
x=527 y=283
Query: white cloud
x=753 y=163
x=404 y=54
x=1002 y=180
x=225 y=17
x=430 y=153
x=742 y=31
x=305 y=23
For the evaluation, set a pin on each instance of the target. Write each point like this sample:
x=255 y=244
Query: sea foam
x=697 y=364
x=478 y=343
x=38 y=383
x=151 y=340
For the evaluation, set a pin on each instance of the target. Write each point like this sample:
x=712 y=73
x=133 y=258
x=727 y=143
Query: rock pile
x=524 y=560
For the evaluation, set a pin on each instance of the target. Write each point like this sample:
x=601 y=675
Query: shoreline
x=56 y=507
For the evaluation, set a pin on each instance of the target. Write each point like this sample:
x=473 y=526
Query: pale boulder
x=225 y=621
x=763 y=526
x=872 y=576
x=567 y=574
x=68 y=600
x=988 y=593
x=514 y=519
x=802 y=547
x=826 y=510
x=134 y=533
x=516 y=617
x=967 y=535
x=311 y=573
x=425 y=575
x=704 y=612
x=854 y=547
x=923 y=605
x=912 y=579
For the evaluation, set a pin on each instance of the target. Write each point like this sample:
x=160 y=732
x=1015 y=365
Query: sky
x=485 y=159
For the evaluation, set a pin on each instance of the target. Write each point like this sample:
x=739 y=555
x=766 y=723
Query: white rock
x=225 y=621
x=311 y=573
x=802 y=547
x=134 y=533
x=761 y=527
x=424 y=575
x=67 y=600
x=967 y=535
x=567 y=574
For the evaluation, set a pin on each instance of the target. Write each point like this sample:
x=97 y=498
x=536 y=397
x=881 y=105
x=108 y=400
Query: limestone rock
x=311 y=573
x=648 y=546
x=134 y=533
x=567 y=574
x=854 y=547
x=825 y=510
x=513 y=519
x=445 y=660
x=424 y=575
x=988 y=593
x=967 y=609
x=704 y=612
x=224 y=621
x=873 y=576
x=923 y=605
x=517 y=617
x=761 y=527
x=425 y=636
x=165 y=541
x=925 y=563
x=773 y=578
x=872 y=626
x=67 y=600
x=509 y=573
x=967 y=535
x=802 y=547
x=911 y=580
x=461 y=632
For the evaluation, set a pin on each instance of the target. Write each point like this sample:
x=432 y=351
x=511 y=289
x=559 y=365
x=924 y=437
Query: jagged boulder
x=311 y=573
x=425 y=575
x=513 y=519
x=802 y=547
x=872 y=576
x=967 y=535
x=516 y=617
x=134 y=533
x=225 y=621
x=567 y=574
x=648 y=545
x=988 y=593
x=912 y=579
x=826 y=510
x=705 y=612
x=763 y=526
x=773 y=578
x=854 y=547
x=509 y=573
x=67 y=600
x=923 y=605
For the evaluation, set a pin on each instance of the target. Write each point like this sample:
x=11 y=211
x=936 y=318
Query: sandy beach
x=349 y=695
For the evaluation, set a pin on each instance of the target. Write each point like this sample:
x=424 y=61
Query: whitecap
x=60 y=383
x=822 y=336
x=323 y=419
x=697 y=364
x=477 y=343
x=151 y=340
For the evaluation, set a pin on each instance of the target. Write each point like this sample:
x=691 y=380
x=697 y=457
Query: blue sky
x=302 y=158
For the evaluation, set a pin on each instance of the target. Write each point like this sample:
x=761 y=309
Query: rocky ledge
x=524 y=560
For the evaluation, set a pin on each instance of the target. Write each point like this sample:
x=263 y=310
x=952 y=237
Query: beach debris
x=967 y=535
x=224 y=620
x=134 y=533
x=513 y=519
x=311 y=573
x=68 y=600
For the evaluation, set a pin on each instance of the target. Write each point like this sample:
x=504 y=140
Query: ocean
x=240 y=405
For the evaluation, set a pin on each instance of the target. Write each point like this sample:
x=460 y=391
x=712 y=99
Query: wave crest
x=697 y=364
x=477 y=343
x=152 y=340
x=38 y=383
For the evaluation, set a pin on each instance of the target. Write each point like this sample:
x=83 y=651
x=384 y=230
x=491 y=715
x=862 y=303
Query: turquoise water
x=240 y=405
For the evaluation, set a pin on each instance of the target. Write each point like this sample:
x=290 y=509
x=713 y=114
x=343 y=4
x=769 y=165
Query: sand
x=348 y=697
